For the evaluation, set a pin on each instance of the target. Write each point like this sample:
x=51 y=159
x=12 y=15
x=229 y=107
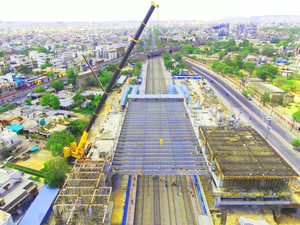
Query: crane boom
x=81 y=151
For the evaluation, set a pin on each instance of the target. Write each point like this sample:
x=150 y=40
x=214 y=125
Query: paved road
x=278 y=137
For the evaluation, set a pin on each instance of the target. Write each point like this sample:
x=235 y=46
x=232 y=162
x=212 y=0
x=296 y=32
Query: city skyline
x=117 y=11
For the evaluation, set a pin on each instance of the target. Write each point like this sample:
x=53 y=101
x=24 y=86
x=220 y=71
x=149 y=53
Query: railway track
x=139 y=208
x=187 y=202
x=155 y=81
x=157 y=219
x=172 y=209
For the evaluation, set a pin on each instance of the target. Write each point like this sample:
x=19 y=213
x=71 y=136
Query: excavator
x=83 y=148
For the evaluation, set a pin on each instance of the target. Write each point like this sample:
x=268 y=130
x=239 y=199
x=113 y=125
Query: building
x=246 y=169
x=106 y=51
x=259 y=87
x=281 y=60
x=15 y=190
x=5 y=218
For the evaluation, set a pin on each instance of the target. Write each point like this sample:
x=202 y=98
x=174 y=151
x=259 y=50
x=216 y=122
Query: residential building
x=281 y=60
x=107 y=52
x=15 y=190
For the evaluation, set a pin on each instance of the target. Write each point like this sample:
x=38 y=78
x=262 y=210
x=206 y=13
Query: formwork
x=158 y=138
x=83 y=197
x=245 y=160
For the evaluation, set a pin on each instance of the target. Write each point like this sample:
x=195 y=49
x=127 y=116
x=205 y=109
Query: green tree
x=266 y=97
x=138 y=65
x=46 y=99
x=177 y=56
x=55 y=103
x=40 y=89
x=25 y=69
x=9 y=106
x=167 y=56
x=7 y=154
x=28 y=101
x=78 y=98
x=56 y=171
x=268 y=51
x=5 y=71
x=141 y=48
x=111 y=67
x=51 y=74
x=249 y=67
x=136 y=72
x=58 y=140
x=78 y=126
x=168 y=63
x=57 y=85
x=222 y=54
x=296 y=117
x=2 y=53
x=72 y=76
x=275 y=40
x=279 y=81
x=281 y=98
x=245 y=92
x=44 y=66
x=296 y=143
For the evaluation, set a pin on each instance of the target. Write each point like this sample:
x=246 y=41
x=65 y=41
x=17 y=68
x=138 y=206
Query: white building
x=5 y=218
x=8 y=138
x=106 y=51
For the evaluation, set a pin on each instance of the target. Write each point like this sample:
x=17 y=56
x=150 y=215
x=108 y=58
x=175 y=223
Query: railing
x=124 y=220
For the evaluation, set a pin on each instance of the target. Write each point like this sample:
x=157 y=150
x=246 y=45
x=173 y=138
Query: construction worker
x=161 y=141
x=173 y=183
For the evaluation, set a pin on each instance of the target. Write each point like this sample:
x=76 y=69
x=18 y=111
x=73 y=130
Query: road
x=278 y=137
x=155 y=81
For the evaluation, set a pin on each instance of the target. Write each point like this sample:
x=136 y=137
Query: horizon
x=134 y=10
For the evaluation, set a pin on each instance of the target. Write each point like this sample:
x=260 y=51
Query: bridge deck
x=139 y=150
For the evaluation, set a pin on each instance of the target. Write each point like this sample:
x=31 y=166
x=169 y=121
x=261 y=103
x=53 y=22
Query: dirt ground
x=293 y=106
x=37 y=159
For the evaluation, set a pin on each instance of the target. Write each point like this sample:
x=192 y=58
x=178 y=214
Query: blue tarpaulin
x=16 y=127
x=42 y=121
x=41 y=208
x=34 y=148
x=17 y=80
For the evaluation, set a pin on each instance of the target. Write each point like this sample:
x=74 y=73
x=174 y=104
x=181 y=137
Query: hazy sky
x=116 y=10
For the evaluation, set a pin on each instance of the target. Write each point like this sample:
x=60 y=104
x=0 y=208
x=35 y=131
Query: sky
x=135 y=10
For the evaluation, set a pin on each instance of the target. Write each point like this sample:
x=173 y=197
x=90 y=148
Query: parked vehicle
x=268 y=119
x=250 y=99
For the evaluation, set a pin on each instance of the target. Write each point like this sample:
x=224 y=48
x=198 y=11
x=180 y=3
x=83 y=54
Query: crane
x=82 y=149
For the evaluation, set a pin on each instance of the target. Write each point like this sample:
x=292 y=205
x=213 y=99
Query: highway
x=278 y=137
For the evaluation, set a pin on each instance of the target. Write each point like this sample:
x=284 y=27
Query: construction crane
x=82 y=149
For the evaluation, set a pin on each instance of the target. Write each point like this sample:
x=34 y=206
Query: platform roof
x=242 y=153
x=39 y=208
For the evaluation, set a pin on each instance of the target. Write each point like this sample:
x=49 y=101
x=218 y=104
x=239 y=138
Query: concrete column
x=195 y=121
x=204 y=149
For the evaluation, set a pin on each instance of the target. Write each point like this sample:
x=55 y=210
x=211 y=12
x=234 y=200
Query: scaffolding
x=242 y=153
x=83 y=198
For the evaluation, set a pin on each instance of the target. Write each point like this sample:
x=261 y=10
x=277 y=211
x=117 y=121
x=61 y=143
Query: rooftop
x=269 y=88
x=241 y=152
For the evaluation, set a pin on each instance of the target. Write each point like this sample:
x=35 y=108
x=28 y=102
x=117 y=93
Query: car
x=249 y=98
x=268 y=119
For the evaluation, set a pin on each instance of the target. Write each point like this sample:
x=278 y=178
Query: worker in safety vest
x=161 y=141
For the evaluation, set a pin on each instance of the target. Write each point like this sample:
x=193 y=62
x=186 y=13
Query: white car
x=268 y=119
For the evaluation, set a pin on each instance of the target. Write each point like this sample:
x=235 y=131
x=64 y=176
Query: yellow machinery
x=83 y=148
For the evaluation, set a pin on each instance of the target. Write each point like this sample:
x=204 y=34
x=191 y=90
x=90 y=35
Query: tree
x=40 y=89
x=46 y=99
x=55 y=103
x=59 y=85
x=9 y=106
x=78 y=99
x=275 y=40
x=296 y=117
x=5 y=71
x=72 y=76
x=296 y=143
x=249 y=67
x=51 y=74
x=28 y=101
x=266 y=97
x=58 y=140
x=138 y=65
x=281 y=98
x=2 y=53
x=268 y=51
x=55 y=172
x=25 y=69
x=168 y=63
x=141 y=48
x=189 y=66
x=78 y=126
x=44 y=66
x=222 y=54
x=111 y=67
x=136 y=72
x=177 y=56
x=291 y=54
x=166 y=56
x=245 y=92
x=279 y=81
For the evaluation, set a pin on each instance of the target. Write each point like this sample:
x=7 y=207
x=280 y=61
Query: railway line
x=155 y=81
